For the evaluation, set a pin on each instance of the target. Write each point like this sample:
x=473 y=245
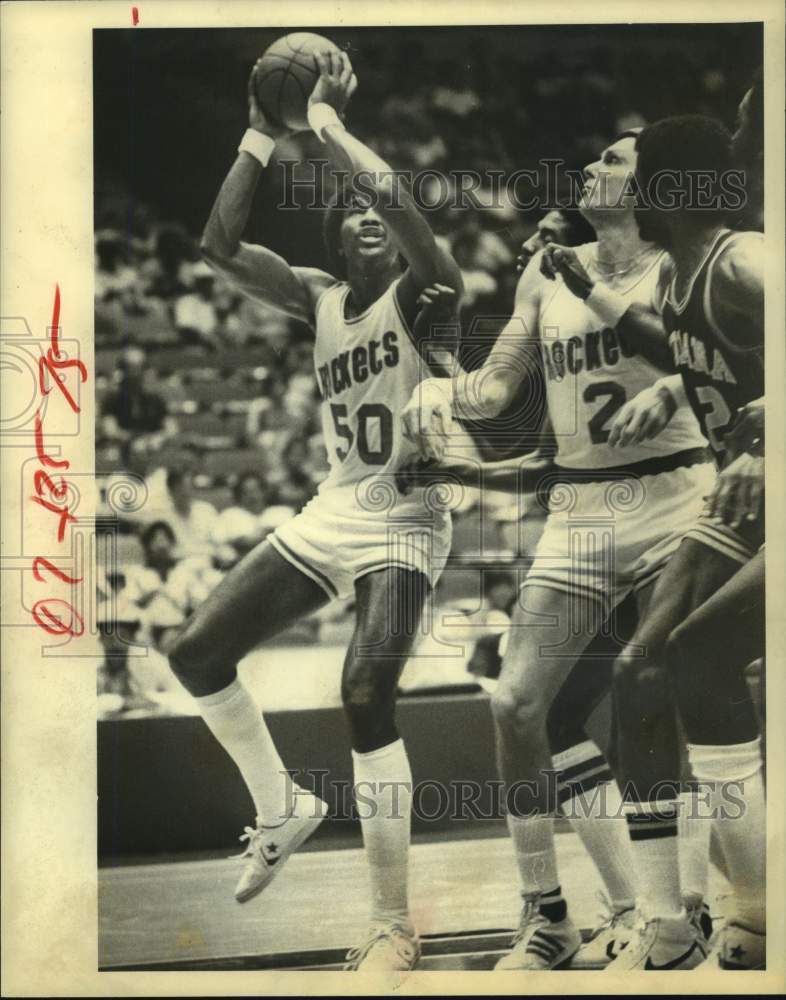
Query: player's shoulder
x=316 y=283
x=740 y=259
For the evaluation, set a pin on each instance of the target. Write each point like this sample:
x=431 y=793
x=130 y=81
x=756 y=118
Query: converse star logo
x=273 y=848
x=737 y=951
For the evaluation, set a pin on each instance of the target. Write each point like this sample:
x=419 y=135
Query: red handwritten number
x=55 y=616
x=45 y=614
x=41 y=562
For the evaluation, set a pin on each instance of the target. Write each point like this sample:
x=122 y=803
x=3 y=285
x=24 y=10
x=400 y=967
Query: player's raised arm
x=255 y=270
x=485 y=392
x=640 y=323
x=428 y=263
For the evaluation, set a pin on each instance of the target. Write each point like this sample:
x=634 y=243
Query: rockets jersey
x=591 y=371
x=719 y=376
x=367 y=368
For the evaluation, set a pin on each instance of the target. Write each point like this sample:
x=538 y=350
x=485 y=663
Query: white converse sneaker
x=611 y=936
x=269 y=846
x=736 y=947
x=389 y=948
x=540 y=943
x=699 y=915
x=661 y=943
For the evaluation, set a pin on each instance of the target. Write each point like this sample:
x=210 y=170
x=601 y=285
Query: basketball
x=287 y=75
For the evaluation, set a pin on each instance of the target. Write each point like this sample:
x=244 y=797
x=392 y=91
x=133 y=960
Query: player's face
x=552 y=228
x=609 y=182
x=365 y=239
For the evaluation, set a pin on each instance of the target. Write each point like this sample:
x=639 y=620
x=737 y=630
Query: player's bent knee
x=191 y=654
x=516 y=713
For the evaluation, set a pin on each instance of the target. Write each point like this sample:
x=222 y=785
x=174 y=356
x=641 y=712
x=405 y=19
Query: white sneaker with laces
x=269 y=847
x=388 y=948
x=660 y=943
x=737 y=947
x=540 y=943
x=611 y=935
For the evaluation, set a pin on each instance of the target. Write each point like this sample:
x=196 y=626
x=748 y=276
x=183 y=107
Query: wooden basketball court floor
x=464 y=895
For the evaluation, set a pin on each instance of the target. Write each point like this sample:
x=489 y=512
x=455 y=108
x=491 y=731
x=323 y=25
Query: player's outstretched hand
x=642 y=418
x=437 y=305
x=418 y=473
x=565 y=261
x=427 y=420
x=739 y=490
x=747 y=433
x=337 y=81
x=256 y=116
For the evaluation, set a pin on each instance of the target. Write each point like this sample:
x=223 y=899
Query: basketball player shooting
x=358 y=535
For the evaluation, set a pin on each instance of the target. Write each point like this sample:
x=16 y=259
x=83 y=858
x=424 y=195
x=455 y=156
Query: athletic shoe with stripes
x=611 y=936
x=540 y=943
x=389 y=948
x=736 y=947
x=660 y=943
x=269 y=847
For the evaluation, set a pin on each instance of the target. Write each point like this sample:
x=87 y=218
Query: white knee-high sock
x=533 y=843
x=383 y=781
x=741 y=820
x=652 y=827
x=592 y=802
x=236 y=722
x=693 y=829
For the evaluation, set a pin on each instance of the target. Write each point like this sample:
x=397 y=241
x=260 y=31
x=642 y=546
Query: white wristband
x=320 y=116
x=258 y=145
x=609 y=306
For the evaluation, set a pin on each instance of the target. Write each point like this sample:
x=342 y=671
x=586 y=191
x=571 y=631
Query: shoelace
x=528 y=919
x=356 y=955
x=254 y=836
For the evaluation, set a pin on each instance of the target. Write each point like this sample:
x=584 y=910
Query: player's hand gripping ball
x=285 y=76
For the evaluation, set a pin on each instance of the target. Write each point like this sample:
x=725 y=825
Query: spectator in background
x=196 y=318
x=191 y=520
x=114 y=278
x=167 y=274
x=147 y=579
x=244 y=525
x=132 y=416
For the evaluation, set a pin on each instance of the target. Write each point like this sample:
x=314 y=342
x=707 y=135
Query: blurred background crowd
x=209 y=398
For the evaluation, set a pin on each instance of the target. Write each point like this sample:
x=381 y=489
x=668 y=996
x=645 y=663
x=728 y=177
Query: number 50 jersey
x=367 y=368
x=591 y=371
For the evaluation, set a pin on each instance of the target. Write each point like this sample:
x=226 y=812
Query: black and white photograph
x=423 y=591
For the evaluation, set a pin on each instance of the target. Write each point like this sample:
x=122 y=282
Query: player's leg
x=587 y=790
x=389 y=610
x=551 y=629
x=257 y=599
x=649 y=766
x=711 y=649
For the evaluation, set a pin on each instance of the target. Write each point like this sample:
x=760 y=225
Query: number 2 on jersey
x=716 y=415
x=368 y=411
x=599 y=431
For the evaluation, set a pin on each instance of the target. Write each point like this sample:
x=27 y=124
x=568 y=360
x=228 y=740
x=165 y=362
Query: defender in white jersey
x=357 y=534
x=610 y=530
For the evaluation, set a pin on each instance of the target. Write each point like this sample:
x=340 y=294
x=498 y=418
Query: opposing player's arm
x=737 y=292
x=428 y=262
x=257 y=271
x=522 y=474
x=485 y=392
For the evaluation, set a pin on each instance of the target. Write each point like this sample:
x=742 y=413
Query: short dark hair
x=241 y=481
x=685 y=144
x=153 y=528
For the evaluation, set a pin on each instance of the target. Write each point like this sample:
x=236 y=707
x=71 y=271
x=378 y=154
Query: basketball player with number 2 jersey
x=614 y=521
x=358 y=536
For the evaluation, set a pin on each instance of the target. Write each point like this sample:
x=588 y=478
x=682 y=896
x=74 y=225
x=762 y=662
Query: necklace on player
x=614 y=272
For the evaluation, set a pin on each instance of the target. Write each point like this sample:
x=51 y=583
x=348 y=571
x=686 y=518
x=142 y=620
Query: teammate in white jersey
x=610 y=529
x=358 y=535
